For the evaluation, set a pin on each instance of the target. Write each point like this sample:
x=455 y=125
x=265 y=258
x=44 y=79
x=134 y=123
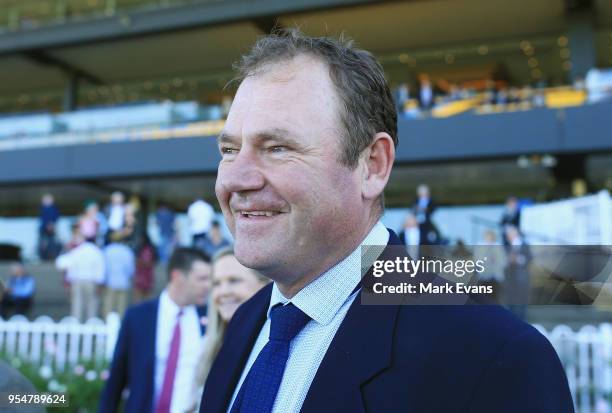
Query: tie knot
x=286 y=322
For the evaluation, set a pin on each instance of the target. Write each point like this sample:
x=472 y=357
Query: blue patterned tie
x=260 y=387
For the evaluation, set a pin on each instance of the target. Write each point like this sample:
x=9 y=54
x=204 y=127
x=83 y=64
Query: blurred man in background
x=493 y=253
x=214 y=240
x=426 y=94
x=48 y=246
x=423 y=209
x=410 y=235
x=201 y=215
x=85 y=270
x=516 y=286
x=159 y=341
x=167 y=234
x=511 y=217
x=116 y=213
x=120 y=264
x=19 y=292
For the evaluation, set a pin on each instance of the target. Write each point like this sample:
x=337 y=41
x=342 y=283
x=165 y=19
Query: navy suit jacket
x=133 y=365
x=413 y=359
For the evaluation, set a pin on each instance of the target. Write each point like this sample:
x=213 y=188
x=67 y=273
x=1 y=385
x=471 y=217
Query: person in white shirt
x=159 y=342
x=116 y=212
x=201 y=215
x=85 y=267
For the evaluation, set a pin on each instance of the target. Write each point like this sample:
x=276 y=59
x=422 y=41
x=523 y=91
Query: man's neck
x=289 y=290
x=175 y=297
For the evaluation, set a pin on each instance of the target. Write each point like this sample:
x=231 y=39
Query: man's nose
x=243 y=173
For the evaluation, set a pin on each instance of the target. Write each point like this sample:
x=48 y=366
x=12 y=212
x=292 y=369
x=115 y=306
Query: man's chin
x=256 y=256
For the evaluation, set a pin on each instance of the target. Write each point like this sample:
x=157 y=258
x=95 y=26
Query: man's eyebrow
x=275 y=135
x=225 y=137
x=278 y=135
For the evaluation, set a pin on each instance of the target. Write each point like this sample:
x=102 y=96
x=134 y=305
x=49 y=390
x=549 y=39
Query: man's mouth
x=252 y=214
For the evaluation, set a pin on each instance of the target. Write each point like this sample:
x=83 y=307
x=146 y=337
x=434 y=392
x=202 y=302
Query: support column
x=570 y=176
x=581 y=35
x=71 y=93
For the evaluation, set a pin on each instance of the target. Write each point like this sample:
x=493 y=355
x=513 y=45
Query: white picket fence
x=59 y=344
x=585 y=354
x=587 y=358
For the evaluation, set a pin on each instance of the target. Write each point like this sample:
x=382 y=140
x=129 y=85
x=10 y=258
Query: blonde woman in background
x=232 y=285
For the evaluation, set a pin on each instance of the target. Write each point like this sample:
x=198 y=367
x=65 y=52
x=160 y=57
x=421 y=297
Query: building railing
x=142 y=133
x=586 y=354
x=31 y=14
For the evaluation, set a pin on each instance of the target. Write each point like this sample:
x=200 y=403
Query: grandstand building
x=99 y=95
x=494 y=98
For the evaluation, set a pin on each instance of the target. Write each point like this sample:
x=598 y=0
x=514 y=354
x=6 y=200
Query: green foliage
x=83 y=383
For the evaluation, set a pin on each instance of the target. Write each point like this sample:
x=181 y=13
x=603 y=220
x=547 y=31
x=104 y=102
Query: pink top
x=88 y=227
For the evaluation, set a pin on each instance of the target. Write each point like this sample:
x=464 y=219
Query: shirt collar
x=323 y=297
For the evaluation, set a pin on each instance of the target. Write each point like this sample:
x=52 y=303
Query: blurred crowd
x=426 y=94
x=504 y=248
x=110 y=260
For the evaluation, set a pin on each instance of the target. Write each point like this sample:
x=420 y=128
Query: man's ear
x=175 y=274
x=377 y=160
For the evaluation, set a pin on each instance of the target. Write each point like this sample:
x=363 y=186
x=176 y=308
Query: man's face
x=293 y=208
x=512 y=204
x=194 y=285
x=116 y=198
x=17 y=271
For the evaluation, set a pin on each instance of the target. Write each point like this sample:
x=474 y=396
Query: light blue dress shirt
x=120 y=266
x=22 y=287
x=326 y=300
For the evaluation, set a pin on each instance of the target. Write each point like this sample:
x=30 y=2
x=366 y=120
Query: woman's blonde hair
x=215 y=330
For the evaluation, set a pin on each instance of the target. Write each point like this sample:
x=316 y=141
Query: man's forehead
x=282 y=101
x=290 y=68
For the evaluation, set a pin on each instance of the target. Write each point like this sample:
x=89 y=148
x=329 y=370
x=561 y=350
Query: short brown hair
x=367 y=105
x=182 y=259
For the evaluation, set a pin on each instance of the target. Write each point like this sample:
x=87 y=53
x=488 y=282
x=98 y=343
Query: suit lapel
x=360 y=349
x=237 y=345
x=149 y=336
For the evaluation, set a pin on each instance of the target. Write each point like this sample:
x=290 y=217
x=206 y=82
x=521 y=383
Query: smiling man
x=307 y=150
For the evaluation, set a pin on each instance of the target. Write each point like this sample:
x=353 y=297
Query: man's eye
x=228 y=151
x=277 y=148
